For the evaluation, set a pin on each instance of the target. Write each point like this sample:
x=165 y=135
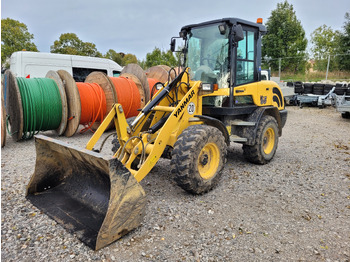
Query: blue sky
x=137 y=27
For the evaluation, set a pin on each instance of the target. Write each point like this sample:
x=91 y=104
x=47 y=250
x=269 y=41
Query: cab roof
x=230 y=21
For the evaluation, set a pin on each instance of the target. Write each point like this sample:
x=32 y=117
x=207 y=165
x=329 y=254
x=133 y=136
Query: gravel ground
x=296 y=208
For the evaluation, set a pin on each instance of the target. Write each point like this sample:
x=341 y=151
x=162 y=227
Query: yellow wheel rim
x=208 y=161
x=268 y=141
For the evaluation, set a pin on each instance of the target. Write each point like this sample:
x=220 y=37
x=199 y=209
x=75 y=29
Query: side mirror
x=172 y=44
x=238 y=33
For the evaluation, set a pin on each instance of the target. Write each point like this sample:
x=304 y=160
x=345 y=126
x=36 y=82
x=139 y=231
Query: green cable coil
x=42 y=105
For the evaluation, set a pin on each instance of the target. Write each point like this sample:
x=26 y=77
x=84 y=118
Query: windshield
x=207 y=55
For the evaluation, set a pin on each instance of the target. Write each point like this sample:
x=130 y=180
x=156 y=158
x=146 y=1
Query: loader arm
x=120 y=124
x=176 y=122
x=146 y=146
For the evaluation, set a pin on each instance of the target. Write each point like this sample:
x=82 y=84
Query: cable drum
x=128 y=89
x=152 y=86
x=161 y=72
x=35 y=104
x=93 y=104
x=42 y=105
x=73 y=102
x=127 y=95
x=137 y=71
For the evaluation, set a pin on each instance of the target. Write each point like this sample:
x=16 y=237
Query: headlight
x=209 y=87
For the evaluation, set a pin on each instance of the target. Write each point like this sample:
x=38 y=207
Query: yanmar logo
x=184 y=103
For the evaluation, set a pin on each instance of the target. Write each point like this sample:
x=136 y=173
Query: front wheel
x=266 y=142
x=198 y=158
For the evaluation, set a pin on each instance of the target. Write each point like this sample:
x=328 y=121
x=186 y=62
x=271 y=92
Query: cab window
x=207 y=55
x=245 y=59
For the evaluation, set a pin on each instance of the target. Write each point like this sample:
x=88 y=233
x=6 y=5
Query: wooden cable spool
x=15 y=107
x=137 y=71
x=93 y=104
x=127 y=95
x=73 y=102
x=161 y=73
x=104 y=81
x=106 y=84
x=54 y=76
x=127 y=90
x=139 y=86
x=151 y=83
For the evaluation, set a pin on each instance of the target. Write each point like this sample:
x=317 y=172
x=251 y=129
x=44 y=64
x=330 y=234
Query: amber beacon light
x=259 y=21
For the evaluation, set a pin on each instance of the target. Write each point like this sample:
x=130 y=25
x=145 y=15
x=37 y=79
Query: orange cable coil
x=127 y=95
x=93 y=104
x=151 y=83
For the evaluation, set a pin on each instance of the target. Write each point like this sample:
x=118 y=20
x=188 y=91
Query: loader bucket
x=97 y=199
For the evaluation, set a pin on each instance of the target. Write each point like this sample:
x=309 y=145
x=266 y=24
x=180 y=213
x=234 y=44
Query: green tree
x=344 y=45
x=15 y=37
x=159 y=57
x=116 y=57
x=129 y=59
x=121 y=58
x=285 y=39
x=325 y=42
x=69 y=43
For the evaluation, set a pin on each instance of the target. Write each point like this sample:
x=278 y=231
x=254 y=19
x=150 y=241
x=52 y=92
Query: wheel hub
x=268 y=141
x=204 y=159
x=208 y=160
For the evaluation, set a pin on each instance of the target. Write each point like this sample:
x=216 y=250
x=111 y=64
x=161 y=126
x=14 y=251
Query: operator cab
x=223 y=52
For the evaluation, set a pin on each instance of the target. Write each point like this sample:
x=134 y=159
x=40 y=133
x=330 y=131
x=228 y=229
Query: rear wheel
x=266 y=142
x=198 y=158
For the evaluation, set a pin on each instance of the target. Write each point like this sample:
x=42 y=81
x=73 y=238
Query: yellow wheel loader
x=217 y=99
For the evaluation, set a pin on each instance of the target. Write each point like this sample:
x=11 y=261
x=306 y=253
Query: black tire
x=266 y=142
x=340 y=91
x=345 y=115
x=308 y=88
x=318 y=89
x=298 y=88
x=195 y=149
x=115 y=141
x=327 y=88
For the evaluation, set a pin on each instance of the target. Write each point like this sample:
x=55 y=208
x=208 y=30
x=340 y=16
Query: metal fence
x=322 y=64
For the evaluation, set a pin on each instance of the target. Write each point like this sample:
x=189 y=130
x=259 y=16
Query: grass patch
x=314 y=76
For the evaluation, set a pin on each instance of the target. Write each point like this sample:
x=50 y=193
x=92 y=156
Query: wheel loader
x=217 y=98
